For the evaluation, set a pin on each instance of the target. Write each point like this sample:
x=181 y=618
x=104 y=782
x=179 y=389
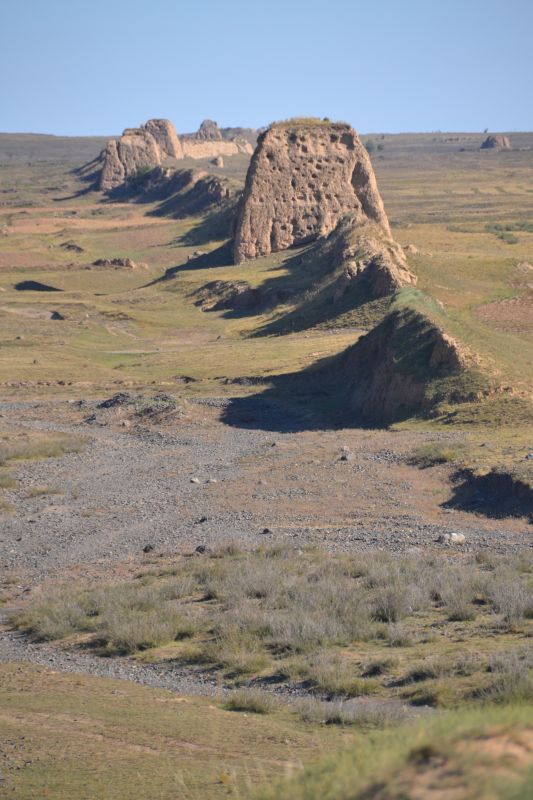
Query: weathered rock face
x=303 y=179
x=496 y=142
x=209 y=130
x=153 y=143
x=138 y=148
x=113 y=173
x=165 y=136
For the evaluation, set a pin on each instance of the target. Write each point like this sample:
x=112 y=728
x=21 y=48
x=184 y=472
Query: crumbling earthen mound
x=405 y=365
x=138 y=149
x=496 y=142
x=185 y=192
x=151 y=145
x=303 y=179
x=364 y=252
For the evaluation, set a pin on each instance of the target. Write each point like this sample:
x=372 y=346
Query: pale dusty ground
x=133 y=486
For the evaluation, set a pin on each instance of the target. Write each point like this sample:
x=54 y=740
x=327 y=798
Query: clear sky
x=98 y=66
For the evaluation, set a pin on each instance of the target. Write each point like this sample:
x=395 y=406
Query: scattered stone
x=201 y=549
x=148 y=548
x=266 y=531
x=201 y=520
x=118 y=399
x=127 y=263
x=218 y=162
x=195 y=480
x=56 y=315
x=72 y=247
x=452 y=538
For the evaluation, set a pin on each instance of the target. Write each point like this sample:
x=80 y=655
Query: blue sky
x=98 y=66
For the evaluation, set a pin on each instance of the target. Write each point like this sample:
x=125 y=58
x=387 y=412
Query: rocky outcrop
x=496 y=142
x=153 y=144
x=138 y=149
x=209 y=130
x=165 y=137
x=404 y=366
x=305 y=176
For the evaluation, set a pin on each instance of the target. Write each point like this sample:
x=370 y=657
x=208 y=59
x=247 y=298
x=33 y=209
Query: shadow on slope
x=498 y=494
x=405 y=367
x=303 y=290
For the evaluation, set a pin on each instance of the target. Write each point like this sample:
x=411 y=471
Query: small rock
x=195 y=480
x=452 y=538
x=529 y=457
x=200 y=520
x=266 y=531
x=201 y=549
x=148 y=548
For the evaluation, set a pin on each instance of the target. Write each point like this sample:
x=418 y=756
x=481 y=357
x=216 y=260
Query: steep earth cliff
x=305 y=176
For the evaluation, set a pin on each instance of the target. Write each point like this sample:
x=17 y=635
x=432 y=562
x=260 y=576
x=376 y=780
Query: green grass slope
x=468 y=755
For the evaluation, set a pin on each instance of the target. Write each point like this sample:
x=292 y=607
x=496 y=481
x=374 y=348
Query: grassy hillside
x=467 y=755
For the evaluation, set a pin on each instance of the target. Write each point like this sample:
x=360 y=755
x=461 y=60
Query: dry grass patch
x=33 y=446
x=340 y=626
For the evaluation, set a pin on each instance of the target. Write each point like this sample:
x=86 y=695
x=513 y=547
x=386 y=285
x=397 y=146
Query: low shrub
x=252 y=700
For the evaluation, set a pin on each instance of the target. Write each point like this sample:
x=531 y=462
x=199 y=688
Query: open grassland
x=422 y=630
x=126 y=328
x=66 y=736
x=440 y=201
